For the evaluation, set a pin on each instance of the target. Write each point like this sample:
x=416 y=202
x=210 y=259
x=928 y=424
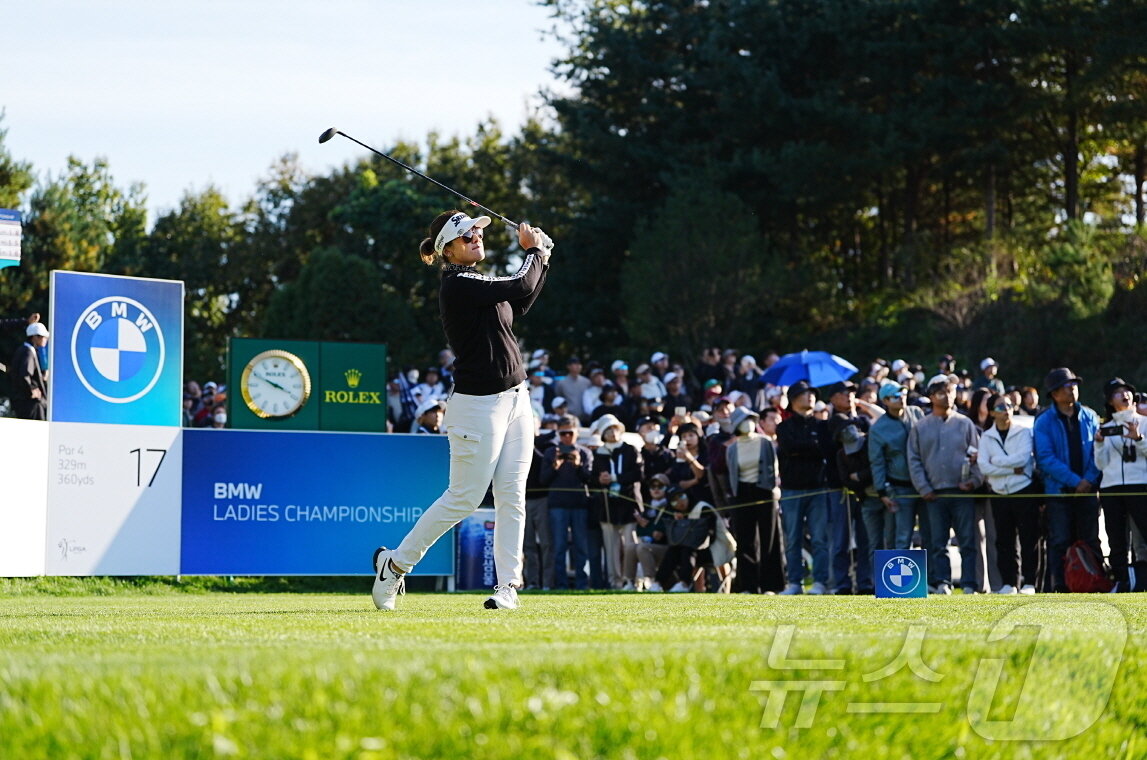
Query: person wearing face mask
x=751 y=461
x=1121 y=453
x=656 y=458
x=617 y=475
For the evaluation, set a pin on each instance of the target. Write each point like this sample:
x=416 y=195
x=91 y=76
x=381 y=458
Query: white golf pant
x=491 y=439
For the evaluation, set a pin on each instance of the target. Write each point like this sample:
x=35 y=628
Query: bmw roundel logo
x=901 y=575
x=118 y=349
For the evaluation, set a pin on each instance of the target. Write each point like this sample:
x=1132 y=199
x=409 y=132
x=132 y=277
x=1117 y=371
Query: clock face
x=275 y=384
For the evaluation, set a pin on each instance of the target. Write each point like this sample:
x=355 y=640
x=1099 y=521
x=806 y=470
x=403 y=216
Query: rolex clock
x=275 y=384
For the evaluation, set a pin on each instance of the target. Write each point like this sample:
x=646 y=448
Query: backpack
x=1083 y=570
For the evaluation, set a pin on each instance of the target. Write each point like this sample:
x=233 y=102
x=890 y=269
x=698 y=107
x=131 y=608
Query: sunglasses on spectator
x=565 y=432
x=657 y=488
x=1003 y=407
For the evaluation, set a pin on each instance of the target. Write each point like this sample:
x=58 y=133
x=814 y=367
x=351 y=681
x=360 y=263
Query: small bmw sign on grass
x=901 y=573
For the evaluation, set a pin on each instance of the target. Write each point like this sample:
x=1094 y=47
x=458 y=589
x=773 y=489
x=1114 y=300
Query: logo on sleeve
x=118 y=349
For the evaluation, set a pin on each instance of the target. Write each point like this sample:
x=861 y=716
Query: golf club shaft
x=332 y=131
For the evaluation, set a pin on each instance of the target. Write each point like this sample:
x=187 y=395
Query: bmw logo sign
x=118 y=349
x=901 y=575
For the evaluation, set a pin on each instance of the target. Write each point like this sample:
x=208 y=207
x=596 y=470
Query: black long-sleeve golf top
x=478 y=313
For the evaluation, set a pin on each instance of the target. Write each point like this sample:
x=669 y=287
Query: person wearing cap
x=573 y=385
x=1007 y=459
x=490 y=423
x=566 y=472
x=651 y=531
x=675 y=395
x=617 y=475
x=29 y=388
x=430 y=388
x=987 y=379
x=428 y=417
x=620 y=372
x=592 y=395
x=1121 y=453
x=941 y=451
x=659 y=364
x=609 y=405
x=750 y=382
x=651 y=384
x=542 y=357
x=541 y=393
x=1065 y=454
x=754 y=516
x=888 y=460
x=686 y=536
x=803 y=448
x=850 y=572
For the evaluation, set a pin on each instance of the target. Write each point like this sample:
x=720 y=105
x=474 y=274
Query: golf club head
x=328 y=134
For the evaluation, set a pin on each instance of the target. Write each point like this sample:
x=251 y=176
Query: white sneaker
x=943 y=589
x=792 y=589
x=679 y=587
x=628 y=586
x=387 y=583
x=503 y=598
x=1007 y=589
x=817 y=589
x=1027 y=589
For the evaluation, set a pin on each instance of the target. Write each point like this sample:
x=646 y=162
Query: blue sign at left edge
x=116 y=349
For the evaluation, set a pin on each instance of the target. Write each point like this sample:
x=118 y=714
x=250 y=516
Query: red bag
x=1084 y=571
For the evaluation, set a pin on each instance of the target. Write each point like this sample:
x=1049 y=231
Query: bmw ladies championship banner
x=116 y=349
x=300 y=503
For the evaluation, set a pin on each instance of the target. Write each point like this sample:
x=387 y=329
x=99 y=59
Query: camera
x=1115 y=429
x=564 y=450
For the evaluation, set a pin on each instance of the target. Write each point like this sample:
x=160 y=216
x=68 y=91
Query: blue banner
x=116 y=349
x=300 y=503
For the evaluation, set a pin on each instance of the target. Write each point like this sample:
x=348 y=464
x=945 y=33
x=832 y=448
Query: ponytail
x=426 y=251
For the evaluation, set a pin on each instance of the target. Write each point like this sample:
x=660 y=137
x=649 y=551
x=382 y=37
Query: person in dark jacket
x=566 y=472
x=29 y=388
x=803 y=448
x=751 y=461
x=617 y=476
x=851 y=573
x=538 y=544
x=686 y=536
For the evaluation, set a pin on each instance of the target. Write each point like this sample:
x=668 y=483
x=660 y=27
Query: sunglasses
x=657 y=488
x=565 y=432
x=1003 y=407
x=473 y=232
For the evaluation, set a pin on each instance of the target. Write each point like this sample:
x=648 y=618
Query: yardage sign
x=116 y=349
x=10 y=234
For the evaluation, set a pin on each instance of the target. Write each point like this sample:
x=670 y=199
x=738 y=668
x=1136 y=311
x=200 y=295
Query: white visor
x=457 y=226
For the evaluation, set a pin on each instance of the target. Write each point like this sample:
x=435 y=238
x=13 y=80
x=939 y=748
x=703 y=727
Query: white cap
x=989 y=362
x=539 y=353
x=898 y=365
x=657 y=356
x=605 y=421
x=618 y=364
x=558 y=401
x=669 y=377
x=426 y=406
x=748 y=360
x=36 y=328
x=940 y=379
x=455 y=227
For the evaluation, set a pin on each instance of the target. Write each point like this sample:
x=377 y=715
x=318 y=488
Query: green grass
x=147 y=672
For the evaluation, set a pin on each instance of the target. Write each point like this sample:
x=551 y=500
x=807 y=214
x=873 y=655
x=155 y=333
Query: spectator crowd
x=663 y=477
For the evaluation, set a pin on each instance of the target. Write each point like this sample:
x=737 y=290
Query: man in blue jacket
x=1064 y=450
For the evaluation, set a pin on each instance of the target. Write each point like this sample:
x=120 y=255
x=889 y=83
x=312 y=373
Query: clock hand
x=271 y=383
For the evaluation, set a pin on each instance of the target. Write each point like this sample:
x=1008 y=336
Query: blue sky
x=178 y=95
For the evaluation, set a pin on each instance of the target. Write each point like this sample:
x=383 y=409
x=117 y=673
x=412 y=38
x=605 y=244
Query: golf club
x=327 y=135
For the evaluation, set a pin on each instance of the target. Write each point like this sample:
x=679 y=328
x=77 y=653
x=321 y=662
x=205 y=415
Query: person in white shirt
x=1121 y=453
x=1007 y=461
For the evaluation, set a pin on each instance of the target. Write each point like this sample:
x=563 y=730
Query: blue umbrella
x=817 y=367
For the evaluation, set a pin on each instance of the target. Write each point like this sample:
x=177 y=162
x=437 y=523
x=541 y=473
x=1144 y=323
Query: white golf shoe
x=792 y=589
x=387 y=583
x=503 y=598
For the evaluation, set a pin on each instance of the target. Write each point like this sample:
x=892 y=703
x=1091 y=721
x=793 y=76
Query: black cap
x=841 y=387
x=1115 y=384
x=799 y=387
x=573 y=360
x=1059 y=377
x=672 y=492
x=646 y=421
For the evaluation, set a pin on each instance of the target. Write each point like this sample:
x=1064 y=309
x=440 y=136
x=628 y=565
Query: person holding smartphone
x=1121 y=453
x=567 y=472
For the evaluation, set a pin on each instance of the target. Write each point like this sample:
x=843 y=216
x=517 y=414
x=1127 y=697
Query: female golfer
x=489 y=420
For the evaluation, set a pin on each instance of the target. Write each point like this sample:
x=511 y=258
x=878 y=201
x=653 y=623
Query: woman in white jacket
x=1121 y=453
x=1007 y=461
